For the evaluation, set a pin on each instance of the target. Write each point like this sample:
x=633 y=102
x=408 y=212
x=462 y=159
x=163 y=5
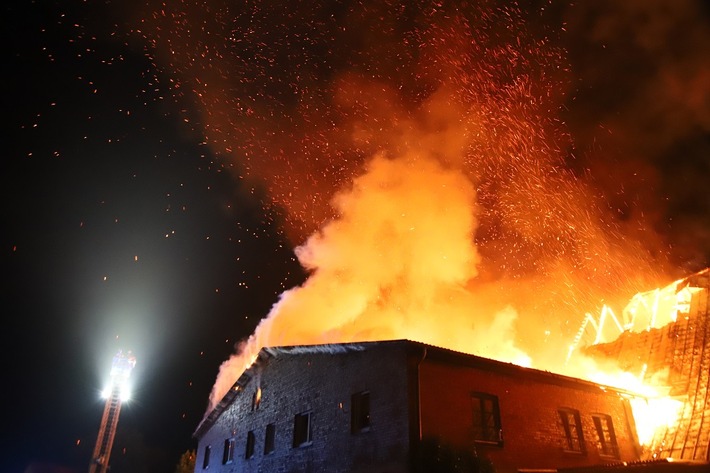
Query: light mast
x=120 y=371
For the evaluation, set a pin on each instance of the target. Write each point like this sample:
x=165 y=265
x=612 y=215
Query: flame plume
x=429 y=183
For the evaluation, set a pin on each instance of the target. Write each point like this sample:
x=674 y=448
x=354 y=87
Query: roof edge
x=440 y=354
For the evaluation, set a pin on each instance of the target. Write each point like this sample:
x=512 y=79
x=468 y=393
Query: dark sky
x=121 y=232
x=127 y=224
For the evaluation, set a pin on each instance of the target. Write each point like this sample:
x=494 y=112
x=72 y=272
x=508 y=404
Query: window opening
x=249 y=451
x=486 y=419
x=270 y=439
x=572 y=430
x=606 y=435
x=256 y=399
x=228 y=454
x=206 y=459
x=302 y=429
x=360 y=412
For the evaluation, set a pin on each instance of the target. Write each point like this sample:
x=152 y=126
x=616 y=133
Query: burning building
x=665 y=341
x=400 y=405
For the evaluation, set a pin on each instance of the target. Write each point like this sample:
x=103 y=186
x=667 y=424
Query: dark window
x=249 y=451
x=206 y=459
x=302 y=429
x=486 y=418
x=256 y=399
x=360 y=412
x=269 y=439
x=228 y=454
x=572 y=430
x=606 y=435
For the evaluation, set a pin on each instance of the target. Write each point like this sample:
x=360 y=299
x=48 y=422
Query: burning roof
x=666 y=343
x=440 y=354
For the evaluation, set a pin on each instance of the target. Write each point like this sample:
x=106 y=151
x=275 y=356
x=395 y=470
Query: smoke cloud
x=473 y=176
x=394 y=264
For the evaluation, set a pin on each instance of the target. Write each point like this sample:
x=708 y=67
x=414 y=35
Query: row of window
x=302 y=430
x=574 y=435
x=486 y=426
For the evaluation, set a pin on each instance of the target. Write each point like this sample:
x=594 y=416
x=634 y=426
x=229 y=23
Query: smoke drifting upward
x=394 y=264
x=431 y=185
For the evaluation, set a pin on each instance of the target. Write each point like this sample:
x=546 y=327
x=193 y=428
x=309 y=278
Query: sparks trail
x=299 y=108
x=456 y=219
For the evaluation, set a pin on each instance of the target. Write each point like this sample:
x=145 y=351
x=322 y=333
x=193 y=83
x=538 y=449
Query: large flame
x=652 y=406
x=425 y=170
x=396 y=264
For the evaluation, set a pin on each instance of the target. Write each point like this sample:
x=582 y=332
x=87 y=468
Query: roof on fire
x=428 y=352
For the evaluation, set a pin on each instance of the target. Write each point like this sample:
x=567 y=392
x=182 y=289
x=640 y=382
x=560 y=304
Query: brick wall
x=320 y=383
x=397 y=375
x=532 y=432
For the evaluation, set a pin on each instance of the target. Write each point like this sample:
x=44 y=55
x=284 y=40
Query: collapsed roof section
x=666 y=341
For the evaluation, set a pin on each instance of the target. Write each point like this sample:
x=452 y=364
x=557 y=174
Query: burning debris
x=666 y=343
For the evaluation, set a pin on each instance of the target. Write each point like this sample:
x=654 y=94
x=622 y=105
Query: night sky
x=145 y=210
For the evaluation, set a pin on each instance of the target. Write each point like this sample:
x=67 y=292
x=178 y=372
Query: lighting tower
x=120 y=371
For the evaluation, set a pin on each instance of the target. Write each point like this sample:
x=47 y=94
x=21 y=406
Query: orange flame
x=653 y=409
x=459 y=224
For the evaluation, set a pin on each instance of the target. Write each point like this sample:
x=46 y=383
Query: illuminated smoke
x=431 y=188
x=394 y=264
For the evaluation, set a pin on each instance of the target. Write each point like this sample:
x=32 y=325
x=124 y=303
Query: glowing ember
x=424 y=173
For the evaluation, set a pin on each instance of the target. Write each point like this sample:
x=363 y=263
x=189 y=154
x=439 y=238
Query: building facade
x=401 y=406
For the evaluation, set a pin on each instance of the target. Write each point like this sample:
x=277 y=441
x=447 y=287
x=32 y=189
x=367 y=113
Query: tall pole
x=120 y=371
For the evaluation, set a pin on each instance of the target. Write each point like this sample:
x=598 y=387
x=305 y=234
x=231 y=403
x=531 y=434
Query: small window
x=228 y=455
x=486 y=426
x=360 y=412
x=270 y=439
x=606 y=436
x=302 y=429
x=206 y=458
x=249 y=450
x=256 y=399
x=572 y=430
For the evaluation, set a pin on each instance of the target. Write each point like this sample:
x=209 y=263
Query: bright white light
x=120 y=372
x=125 y=393
x=106 y=391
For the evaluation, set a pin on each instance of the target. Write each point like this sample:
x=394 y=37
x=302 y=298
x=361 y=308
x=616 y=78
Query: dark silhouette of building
x=403 y=406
